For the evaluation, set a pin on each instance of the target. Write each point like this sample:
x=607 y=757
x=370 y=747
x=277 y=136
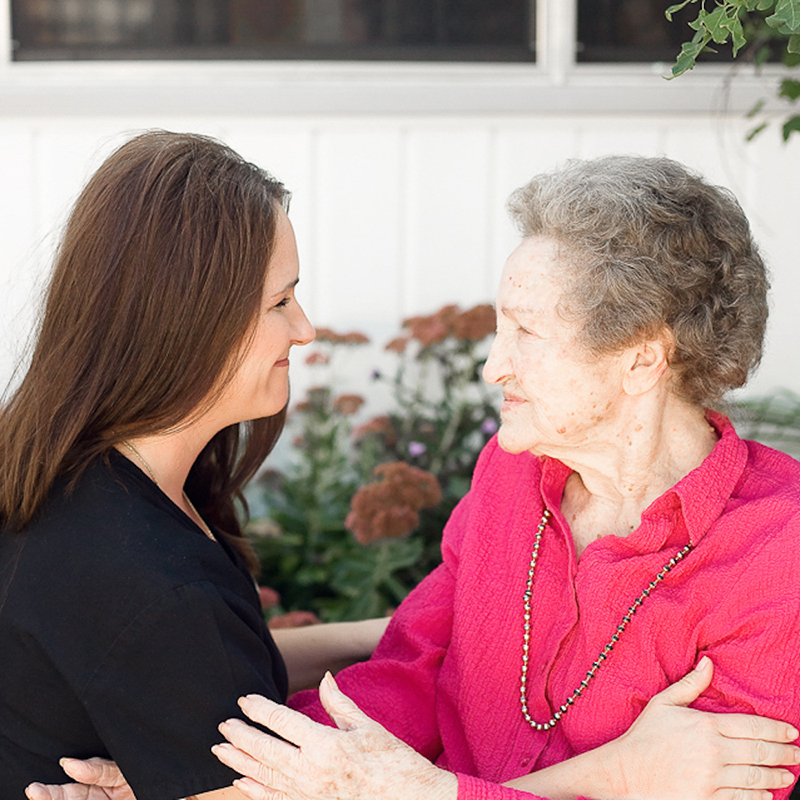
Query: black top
x=125 y=632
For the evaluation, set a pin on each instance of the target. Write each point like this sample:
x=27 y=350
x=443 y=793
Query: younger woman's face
x=260 y=386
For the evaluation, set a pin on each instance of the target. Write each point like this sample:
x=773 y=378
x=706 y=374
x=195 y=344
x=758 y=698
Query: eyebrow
x=286 y=288
x=524 y=311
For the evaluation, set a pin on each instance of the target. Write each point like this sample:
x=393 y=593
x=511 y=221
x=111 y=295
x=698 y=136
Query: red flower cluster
x=474 y=324
x=329 y=335
x=389 y=508
x=348 y=404
x=471 y=325
x=377 y=426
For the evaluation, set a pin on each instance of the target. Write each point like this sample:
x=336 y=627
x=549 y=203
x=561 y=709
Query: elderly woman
x=616 y=531
x=617 y=534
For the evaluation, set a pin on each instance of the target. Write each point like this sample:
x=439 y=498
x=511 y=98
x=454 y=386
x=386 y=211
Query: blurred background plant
x=773 y=419
x=354 y=521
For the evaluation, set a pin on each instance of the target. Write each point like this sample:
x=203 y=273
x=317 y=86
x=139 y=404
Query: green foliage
x=773 y=419
x=440 y=419
x=761 y=23
x=736 y=22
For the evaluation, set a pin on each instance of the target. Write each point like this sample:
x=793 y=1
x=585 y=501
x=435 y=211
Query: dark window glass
x=448 y=30
x=637 y=30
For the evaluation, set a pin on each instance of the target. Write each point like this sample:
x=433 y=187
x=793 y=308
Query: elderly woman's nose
x=495 y=369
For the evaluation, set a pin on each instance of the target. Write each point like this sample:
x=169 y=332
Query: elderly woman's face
x=555 y=395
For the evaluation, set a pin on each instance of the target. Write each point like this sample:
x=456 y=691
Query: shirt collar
x=705 y=491
x=700 y=496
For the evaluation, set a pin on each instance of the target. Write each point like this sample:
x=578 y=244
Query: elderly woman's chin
x=514 y=439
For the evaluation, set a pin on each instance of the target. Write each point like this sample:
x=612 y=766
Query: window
x=635 y=31
x=421 y=30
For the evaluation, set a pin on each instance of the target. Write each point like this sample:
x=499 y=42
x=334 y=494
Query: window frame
x=554 y=84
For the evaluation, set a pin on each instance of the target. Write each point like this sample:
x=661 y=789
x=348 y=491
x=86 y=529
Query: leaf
x=786 y=17
x=751 y=134
x=790 y=89
x=755 y=109
x=737 y=33
x=792 y=125
x=793 y=46
x=687 y=58
x=676 y=8
x=765 y=5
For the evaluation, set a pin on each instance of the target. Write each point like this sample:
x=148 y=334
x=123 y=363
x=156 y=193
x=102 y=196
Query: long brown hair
x=156 y=286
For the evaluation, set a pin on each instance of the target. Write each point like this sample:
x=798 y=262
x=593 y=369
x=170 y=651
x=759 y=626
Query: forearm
x=591 y=774
x=311 y=651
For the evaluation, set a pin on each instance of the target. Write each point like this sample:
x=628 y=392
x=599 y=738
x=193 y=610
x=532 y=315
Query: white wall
x=398 y=214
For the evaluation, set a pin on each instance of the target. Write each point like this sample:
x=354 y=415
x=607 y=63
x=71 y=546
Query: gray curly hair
x=645 y=243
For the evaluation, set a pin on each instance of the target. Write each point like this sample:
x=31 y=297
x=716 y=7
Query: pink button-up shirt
x=446 y=676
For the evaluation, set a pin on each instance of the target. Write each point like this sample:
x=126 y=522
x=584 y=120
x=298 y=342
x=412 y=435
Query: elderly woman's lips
x=284 y=362
x=511 y=401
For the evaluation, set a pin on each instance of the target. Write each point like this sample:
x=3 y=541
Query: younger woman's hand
x=359 y=761
x=97 y=779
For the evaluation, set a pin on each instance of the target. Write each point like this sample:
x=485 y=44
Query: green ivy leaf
x=790 y=89
x=793 y=47
x=737 y=33
x=765 y=5
x=792 y=125
x=751 y=134
x=755 y=109
x=687 y=58
x=786 y=18
x=676 y=8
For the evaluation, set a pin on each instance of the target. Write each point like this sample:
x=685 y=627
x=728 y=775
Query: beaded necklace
x=604 y=653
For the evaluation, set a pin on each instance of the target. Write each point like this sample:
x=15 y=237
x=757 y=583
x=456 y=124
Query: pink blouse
x=446 y=676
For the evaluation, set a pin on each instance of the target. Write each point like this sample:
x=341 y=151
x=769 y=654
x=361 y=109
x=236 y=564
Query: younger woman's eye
x=282 y=303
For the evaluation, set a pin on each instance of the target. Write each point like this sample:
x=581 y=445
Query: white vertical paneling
x=18 y=254
x=631 y=137
x=705 y=144
x=447 y=189
x=5 y=35
x=287 y=150
x=358 y=235
x=776 y=195
x=523 y=150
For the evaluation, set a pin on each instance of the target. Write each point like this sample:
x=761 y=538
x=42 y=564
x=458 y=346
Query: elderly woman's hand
x=97 y=779
x=360 y=760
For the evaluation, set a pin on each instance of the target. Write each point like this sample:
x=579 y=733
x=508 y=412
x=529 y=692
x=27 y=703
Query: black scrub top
x=125 y=632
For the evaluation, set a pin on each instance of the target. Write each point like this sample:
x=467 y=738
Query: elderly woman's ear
x=647 y=364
